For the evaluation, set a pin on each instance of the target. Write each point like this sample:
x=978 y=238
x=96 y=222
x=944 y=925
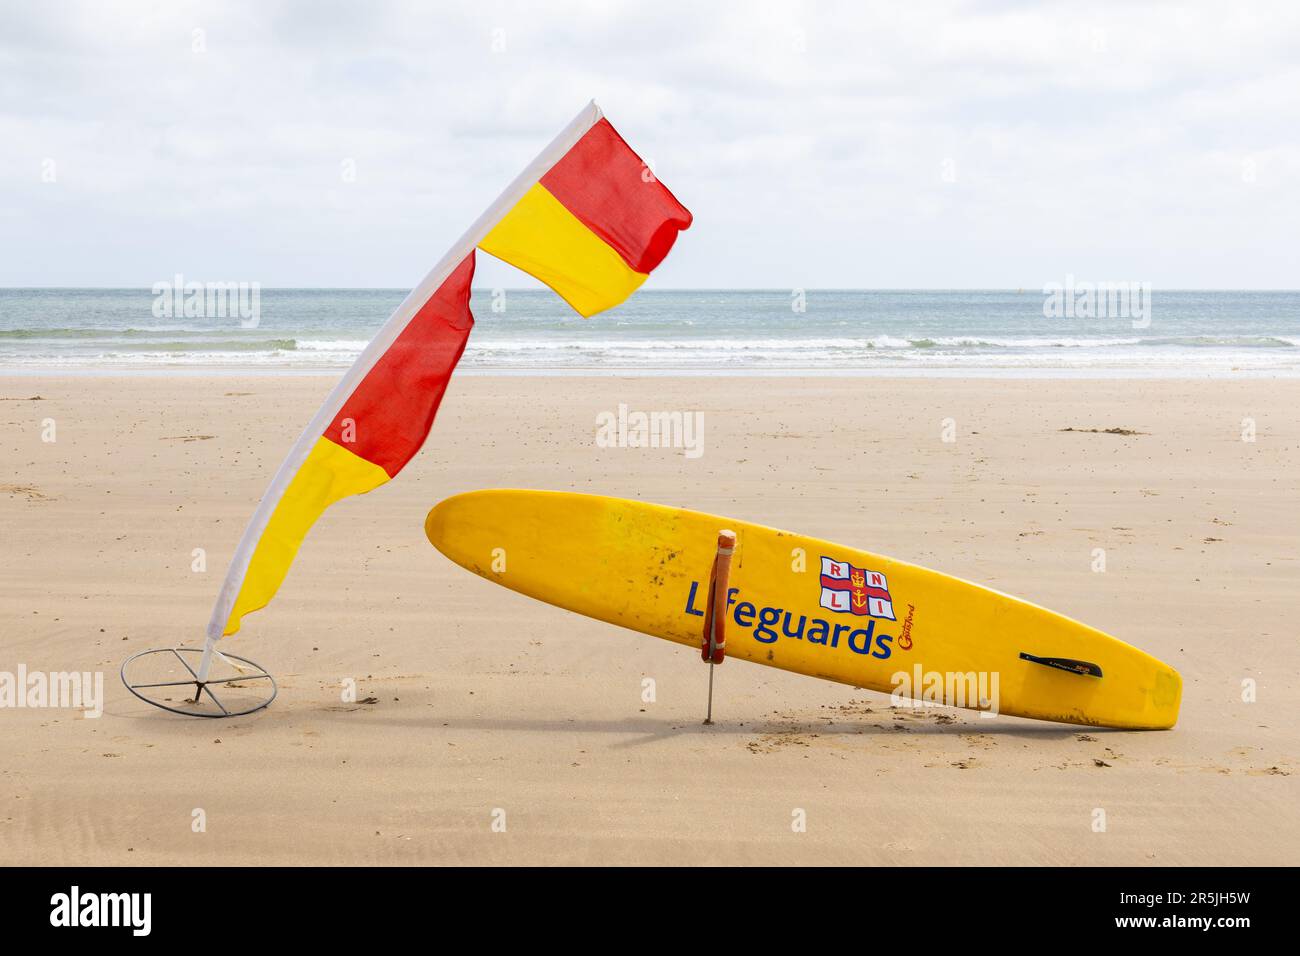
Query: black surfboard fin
x=1083 y=668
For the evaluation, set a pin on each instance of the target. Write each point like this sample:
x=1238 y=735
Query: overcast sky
x=940 y=145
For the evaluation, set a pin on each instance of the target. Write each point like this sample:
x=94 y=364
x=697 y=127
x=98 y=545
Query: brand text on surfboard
x=768 y=624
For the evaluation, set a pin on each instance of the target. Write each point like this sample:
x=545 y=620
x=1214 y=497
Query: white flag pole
x=380 y=344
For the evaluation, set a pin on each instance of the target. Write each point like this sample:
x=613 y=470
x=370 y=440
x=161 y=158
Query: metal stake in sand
x=708 y=714
x=713 y=646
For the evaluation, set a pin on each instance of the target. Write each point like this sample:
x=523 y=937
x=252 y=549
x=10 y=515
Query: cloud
x=819 y=144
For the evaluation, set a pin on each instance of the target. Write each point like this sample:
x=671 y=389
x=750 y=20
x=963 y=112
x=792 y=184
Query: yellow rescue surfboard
x=806 y=605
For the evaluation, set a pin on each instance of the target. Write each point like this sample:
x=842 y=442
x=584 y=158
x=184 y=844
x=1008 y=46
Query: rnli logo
x=851 y=590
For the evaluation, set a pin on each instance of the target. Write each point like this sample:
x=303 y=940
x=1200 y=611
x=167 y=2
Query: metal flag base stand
x=234 y=687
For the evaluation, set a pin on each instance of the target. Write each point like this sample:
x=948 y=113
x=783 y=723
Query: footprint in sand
x=768 y=743
x=30 y=492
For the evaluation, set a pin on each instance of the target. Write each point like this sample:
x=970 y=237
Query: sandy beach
x=484 y=700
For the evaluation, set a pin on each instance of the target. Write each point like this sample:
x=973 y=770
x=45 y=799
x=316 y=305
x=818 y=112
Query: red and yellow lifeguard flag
x=594 y=227
x=587 y=217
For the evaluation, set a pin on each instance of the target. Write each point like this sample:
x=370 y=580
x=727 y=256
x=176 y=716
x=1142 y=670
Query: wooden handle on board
x=713 y=648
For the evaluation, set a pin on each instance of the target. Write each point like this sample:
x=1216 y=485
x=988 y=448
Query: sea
x=1011 y=333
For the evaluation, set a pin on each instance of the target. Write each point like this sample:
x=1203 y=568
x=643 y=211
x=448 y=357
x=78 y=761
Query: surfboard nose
x=435 y=523
x=461 y=525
